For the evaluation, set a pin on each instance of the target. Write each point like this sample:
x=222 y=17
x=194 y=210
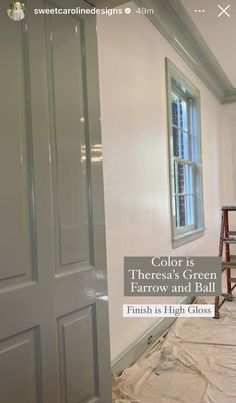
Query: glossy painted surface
x=176 y=25
x=15 y=155
x=68 y=120
x=54 y=339
x=221 y=32
x=135 y=151
x=228 y=144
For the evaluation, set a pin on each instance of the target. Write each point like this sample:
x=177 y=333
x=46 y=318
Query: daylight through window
x=185 y=158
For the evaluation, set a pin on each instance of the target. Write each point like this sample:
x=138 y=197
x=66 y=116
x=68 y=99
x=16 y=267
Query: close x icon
x=224 y=11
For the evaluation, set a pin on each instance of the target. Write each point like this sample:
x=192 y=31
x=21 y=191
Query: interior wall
x=228 y=160
x=228 y=147
x=135 y=152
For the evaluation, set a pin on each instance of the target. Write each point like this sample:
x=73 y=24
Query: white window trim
x=182 y=237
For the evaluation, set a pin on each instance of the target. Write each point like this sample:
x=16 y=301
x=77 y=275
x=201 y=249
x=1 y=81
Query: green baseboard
x=142 y=344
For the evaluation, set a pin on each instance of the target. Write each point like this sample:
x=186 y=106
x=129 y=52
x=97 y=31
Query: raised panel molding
x=17 y=207
x=175 y=24
x=69 y=139
x=78 y=356
x=20 y=378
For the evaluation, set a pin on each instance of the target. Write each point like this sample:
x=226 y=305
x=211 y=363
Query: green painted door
x=54 y=338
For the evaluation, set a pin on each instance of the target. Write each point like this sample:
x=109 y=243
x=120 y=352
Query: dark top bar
x=229 y=208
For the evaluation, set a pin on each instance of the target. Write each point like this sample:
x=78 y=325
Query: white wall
x=228 y=160
x=135 y=149
x=228 y=141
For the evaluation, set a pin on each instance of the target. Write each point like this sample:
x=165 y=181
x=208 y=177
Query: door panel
x=68 y=128
x=53 y=301
x=15 y=156
x=19 y=362
x=77 y=342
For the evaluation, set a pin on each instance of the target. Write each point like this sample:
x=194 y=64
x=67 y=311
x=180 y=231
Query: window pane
x=189 y=209
x=184 y=145
x=188 y=178
x=180 y=144
x=182 y=215
x=184 y=210
x=179 y=112
x=176 y=148
x=175 y=109
x=180 y=178
x=184 y=190
x=183 y=114
x=179 y=211
x=183 y=178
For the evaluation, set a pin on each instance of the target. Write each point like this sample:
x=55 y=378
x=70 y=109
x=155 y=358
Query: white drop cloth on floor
x=196 y=363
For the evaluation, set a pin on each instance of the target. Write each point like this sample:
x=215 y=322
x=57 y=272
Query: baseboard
x=147 y=340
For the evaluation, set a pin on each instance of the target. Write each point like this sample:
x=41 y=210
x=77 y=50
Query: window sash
x=190 y=212
x=187 y=101
x=178 y=85
x=188 y=163
x=188 y=129
x=188 y=227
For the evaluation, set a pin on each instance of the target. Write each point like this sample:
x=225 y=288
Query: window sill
x=187 y=237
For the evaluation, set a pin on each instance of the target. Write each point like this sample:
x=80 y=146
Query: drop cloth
x=196 y=363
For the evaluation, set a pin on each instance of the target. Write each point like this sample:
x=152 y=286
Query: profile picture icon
x=16 y=11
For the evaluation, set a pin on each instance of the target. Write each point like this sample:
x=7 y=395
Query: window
x=185 y=157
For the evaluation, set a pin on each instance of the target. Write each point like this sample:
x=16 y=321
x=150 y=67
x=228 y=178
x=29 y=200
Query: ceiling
x=218 y=33
x=207 y=43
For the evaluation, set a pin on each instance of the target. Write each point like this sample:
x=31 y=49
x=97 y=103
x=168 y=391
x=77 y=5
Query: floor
x=196 y=363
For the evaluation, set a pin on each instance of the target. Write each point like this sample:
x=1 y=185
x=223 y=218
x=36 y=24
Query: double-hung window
x=184 y=157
